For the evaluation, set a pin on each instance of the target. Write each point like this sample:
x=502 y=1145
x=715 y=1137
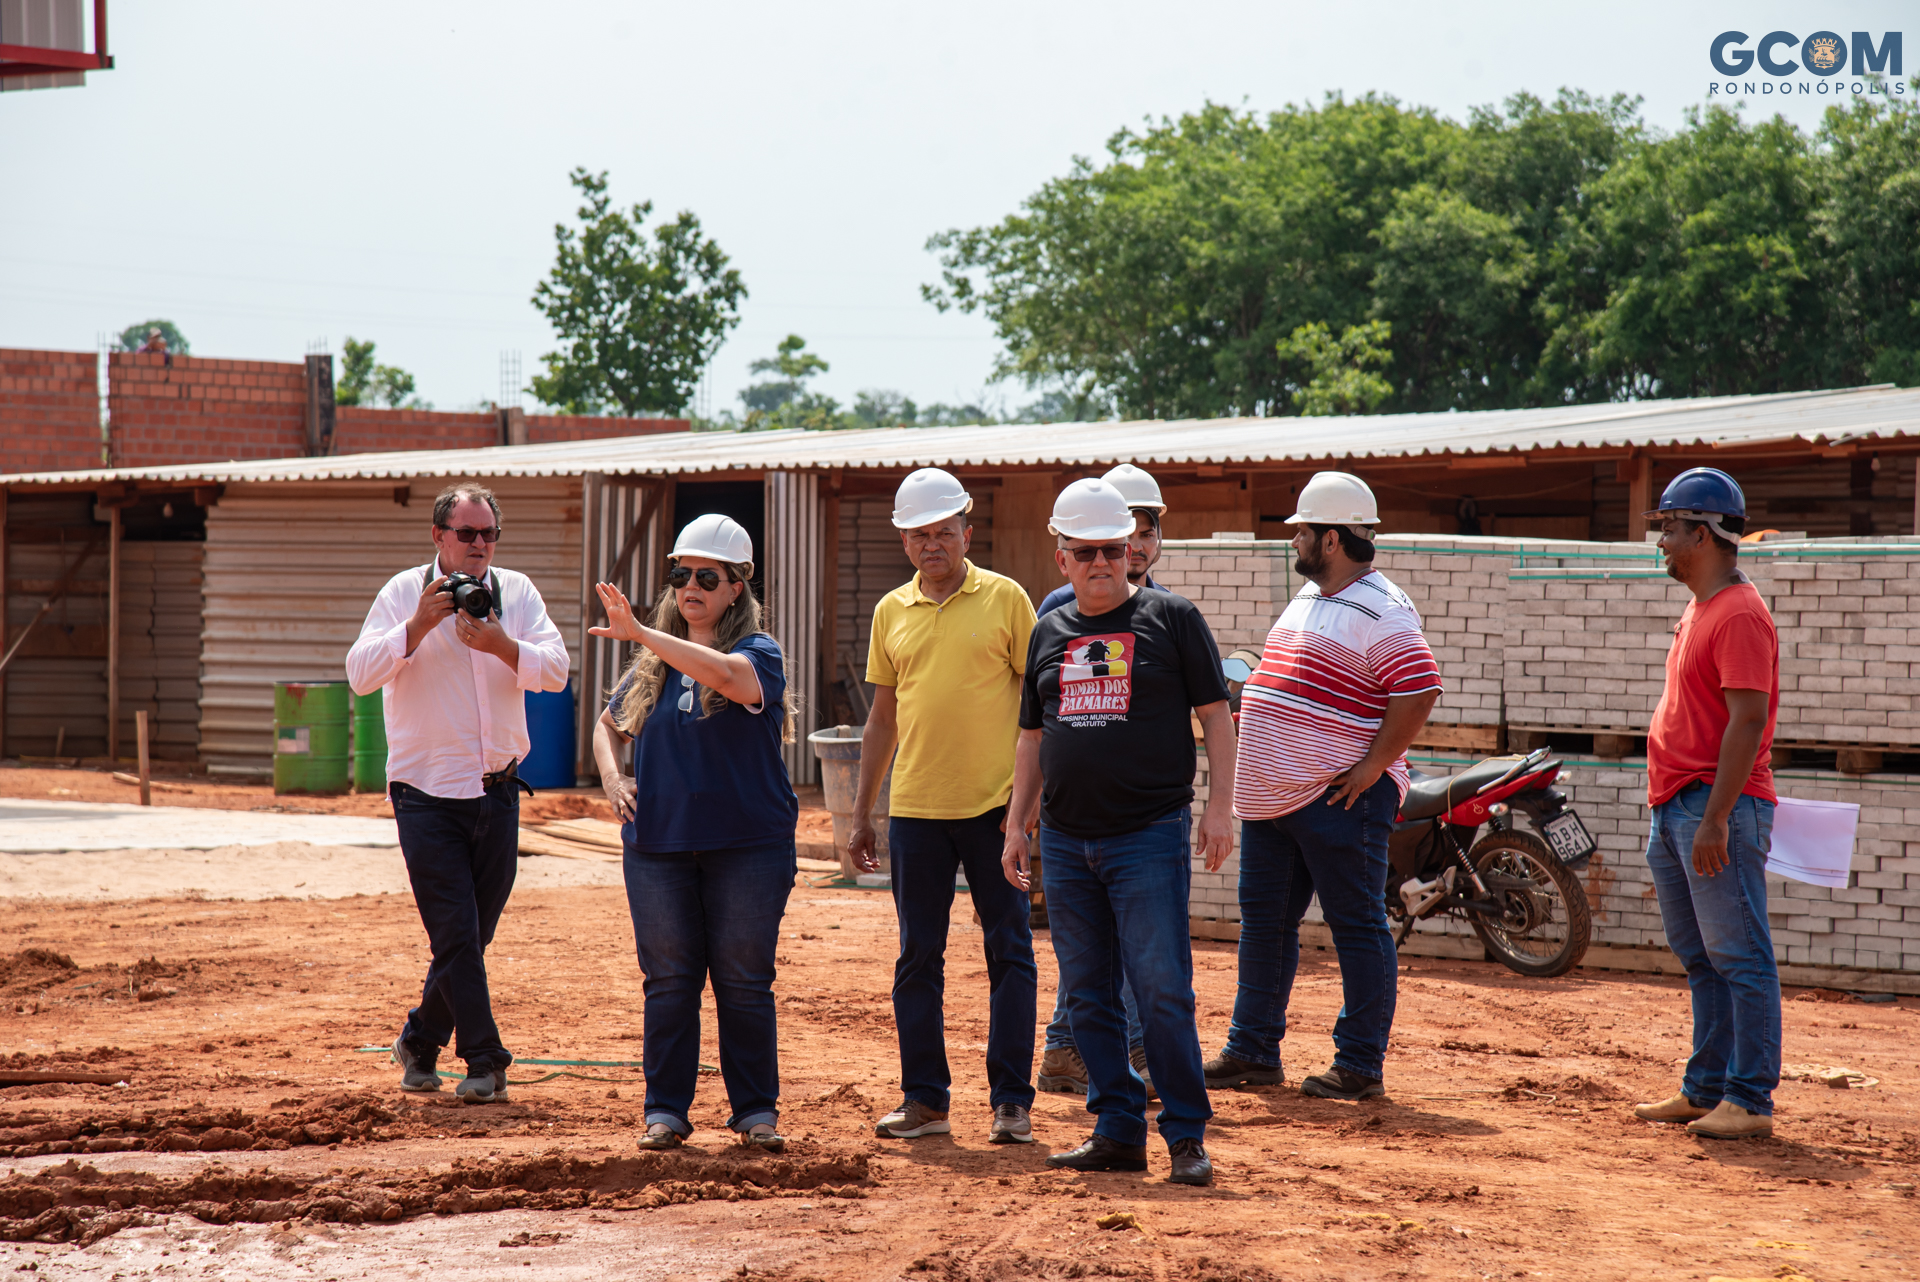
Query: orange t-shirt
x=1727 y=644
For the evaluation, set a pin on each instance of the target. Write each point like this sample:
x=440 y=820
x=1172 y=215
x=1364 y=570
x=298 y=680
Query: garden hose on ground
x=544 y=1063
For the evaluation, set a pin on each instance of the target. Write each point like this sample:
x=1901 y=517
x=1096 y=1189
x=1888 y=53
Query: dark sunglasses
x=708 y=579
x=490 y=535
x=1111 y=551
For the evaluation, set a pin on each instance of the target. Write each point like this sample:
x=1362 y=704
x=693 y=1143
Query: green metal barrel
x=309 y=737
x=369 y=743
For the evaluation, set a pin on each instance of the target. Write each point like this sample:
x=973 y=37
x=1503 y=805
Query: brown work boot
x=1063 y=1072
x=1731 y=1122
x=1677 y=1109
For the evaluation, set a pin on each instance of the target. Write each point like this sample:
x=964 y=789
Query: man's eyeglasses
x=490 y=535
x=686 y=683
x=1111 y=551
x=707 y=577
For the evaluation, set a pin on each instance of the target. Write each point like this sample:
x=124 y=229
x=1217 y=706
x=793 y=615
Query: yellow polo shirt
x=955 y=668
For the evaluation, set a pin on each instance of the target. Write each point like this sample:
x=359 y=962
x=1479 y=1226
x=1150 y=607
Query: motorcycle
x=1516 y=889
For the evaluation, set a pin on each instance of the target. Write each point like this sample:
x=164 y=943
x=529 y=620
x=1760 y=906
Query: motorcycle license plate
x=1569 y=837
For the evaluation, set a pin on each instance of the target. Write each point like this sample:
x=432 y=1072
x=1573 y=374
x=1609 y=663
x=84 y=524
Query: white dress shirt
x=454 y=714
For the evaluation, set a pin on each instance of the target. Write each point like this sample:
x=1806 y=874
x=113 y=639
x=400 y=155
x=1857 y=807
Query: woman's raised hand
x=621 y=625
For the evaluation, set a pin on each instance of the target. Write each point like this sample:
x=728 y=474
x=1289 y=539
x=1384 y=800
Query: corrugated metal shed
x=1859 y=414
x=290 y=571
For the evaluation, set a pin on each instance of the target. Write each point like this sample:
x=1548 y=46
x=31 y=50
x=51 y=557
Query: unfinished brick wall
x=199 y=409
x=358 y=429
x=542 y=428
x=49 y=411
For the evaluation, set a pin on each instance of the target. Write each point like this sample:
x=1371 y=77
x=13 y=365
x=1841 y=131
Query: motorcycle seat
x=1430 y=795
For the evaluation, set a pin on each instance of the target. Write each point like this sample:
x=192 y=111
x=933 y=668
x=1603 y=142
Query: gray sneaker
x=912 y=1120
x=1011 y=1125
x=483 y=1088
x=416 y=1071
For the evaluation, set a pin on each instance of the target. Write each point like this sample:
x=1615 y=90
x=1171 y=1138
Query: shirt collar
x=970 y=584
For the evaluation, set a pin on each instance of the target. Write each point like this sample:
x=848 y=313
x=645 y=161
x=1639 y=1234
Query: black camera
x=469 y=594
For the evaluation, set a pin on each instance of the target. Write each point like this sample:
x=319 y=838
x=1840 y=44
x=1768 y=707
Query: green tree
x=1868 y=232
x=639 y=320
x=1705 y=243
x=134 y=337
x=364 y=381
x=785 y=401
x=1159 y=282
x=1336 y=375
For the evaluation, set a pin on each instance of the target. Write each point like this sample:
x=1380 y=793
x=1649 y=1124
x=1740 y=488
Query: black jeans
x=461 y=859
x=926 y=854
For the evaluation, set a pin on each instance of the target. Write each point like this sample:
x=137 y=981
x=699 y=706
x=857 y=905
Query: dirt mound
x=1575 y=1087
x=71 y=1201
x=338 y=1117
x=843 y=1098
x=552 y=807
x=35 y=968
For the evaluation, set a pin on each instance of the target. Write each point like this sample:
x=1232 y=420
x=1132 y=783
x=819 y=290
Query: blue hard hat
x=1705 y=494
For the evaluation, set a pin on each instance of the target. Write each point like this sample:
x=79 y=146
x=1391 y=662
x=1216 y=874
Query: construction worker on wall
x=1346 y=682
x=945 y=661
x=1061 y=1068
x=1112 y=685
x=1710 y=783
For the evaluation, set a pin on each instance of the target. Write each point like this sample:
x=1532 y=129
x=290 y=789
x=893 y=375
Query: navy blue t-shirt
x=1063 y=595
x=718 y=782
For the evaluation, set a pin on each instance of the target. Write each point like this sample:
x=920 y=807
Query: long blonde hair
x=646 y=674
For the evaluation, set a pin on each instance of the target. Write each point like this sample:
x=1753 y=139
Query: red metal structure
x=36 y=60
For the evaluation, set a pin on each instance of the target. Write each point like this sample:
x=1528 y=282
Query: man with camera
x=456 y=643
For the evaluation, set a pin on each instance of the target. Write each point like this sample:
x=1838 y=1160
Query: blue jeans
x=1119 y=905
x=1717 y=927
x=1341 y=855
x=926 y=854
x=1060 y=1028
x=462 y=854
x=710 y=914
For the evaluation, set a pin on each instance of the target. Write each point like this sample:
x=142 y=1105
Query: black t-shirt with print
x=1112 y=697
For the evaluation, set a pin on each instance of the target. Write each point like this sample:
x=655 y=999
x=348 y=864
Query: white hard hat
x=716 y=536
x=1091 y=509
x=929 y=495
x=1139 y=487
x=1337 y=498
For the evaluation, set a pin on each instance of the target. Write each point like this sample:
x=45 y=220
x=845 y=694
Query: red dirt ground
x=252 y=1140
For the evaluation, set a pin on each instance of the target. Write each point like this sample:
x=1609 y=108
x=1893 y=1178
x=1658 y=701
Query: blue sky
x=271 y=175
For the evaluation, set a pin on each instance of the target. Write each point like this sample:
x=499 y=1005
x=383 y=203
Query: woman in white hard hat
x=709 y=817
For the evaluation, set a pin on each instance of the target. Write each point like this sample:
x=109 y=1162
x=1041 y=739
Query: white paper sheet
x=1813 y=841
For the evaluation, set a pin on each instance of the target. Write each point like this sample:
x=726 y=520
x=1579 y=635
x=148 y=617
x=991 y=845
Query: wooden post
x=113 y=635
x=140 y=731
x=1637 y=472
x=1640 y=498
x=830 y=590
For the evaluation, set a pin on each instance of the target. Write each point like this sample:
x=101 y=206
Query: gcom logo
x=1823 y=54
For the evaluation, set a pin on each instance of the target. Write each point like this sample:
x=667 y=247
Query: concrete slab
x=46 y=827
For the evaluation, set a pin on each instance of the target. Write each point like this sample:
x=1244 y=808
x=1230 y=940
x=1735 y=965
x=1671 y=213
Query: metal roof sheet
x=1881 y=412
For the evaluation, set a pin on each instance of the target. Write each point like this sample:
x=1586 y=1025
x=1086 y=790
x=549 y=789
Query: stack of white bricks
x=1561 y=635
x=1588 y=653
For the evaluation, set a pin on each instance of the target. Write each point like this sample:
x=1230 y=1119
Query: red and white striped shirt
x=1316 y=703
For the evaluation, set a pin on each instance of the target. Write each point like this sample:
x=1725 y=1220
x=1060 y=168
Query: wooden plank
x=538 y=843
x=115 y=526
x=593 y=832
x=1481 y=739
x=41 y=1076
